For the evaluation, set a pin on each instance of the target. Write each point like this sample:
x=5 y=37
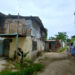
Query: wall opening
x=34 y=45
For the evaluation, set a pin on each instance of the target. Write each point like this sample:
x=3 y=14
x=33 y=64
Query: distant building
x=52 y=45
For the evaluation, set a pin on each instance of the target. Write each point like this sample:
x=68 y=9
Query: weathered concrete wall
x=28 y=24
x=24 y=43
x=40 y=44
x=35 y=30
x=46 y=46
x=40 y=47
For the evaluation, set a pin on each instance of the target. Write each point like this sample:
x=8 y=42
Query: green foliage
x=52 y=38
x=72 y=40
x=69 y=40
x=46 y=34
x=28 y=61
x=25 y=68
x=17 y=66
x=73 y=36
x=62 y=49
x=25 y=54
x=25 y=71
x=62 y=36
x=38 y=67
x=22 y=57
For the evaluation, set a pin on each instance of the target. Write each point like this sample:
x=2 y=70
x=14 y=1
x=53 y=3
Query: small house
x=52 y=45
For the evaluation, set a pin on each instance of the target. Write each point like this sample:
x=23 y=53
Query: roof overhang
x=11 y=35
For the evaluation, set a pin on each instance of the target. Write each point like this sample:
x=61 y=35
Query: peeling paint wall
x=40 y=47
x=35 y=30
x=40 y=44
x=23 y=42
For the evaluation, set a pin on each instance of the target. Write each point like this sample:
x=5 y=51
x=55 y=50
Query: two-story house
x=25 y=32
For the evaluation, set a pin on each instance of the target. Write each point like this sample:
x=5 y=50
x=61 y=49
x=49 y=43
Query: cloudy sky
x=56 y=15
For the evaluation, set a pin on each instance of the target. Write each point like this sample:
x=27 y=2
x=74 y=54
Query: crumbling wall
x=25 y=43
x=40 y=47
x=35 y=30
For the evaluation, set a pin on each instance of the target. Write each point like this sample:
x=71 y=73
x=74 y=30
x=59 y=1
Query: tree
x=73 y=36
x=52 y=38
x=46 y=34
x=68 y=40
x=61 y=36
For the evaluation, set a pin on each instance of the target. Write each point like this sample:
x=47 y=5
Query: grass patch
x=26 y=68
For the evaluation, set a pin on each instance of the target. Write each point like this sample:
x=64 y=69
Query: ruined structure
x=25 y=32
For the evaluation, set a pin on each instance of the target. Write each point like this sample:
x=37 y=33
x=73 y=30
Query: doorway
x=6 y=47
x=1 y=47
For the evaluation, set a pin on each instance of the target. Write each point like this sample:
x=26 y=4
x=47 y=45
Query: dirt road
x=58 y=64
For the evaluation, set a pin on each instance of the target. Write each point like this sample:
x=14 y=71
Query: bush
x=25 y=71
x=38 y=67
x=17 y=66
x=62 y=49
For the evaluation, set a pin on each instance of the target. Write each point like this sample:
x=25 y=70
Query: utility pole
x=17 y=35
x=18 y=23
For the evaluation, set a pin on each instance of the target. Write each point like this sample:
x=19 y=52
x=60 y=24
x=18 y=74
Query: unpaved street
x=58 y=64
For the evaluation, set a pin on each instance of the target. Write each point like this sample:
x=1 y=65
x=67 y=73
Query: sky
x=56 y=15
